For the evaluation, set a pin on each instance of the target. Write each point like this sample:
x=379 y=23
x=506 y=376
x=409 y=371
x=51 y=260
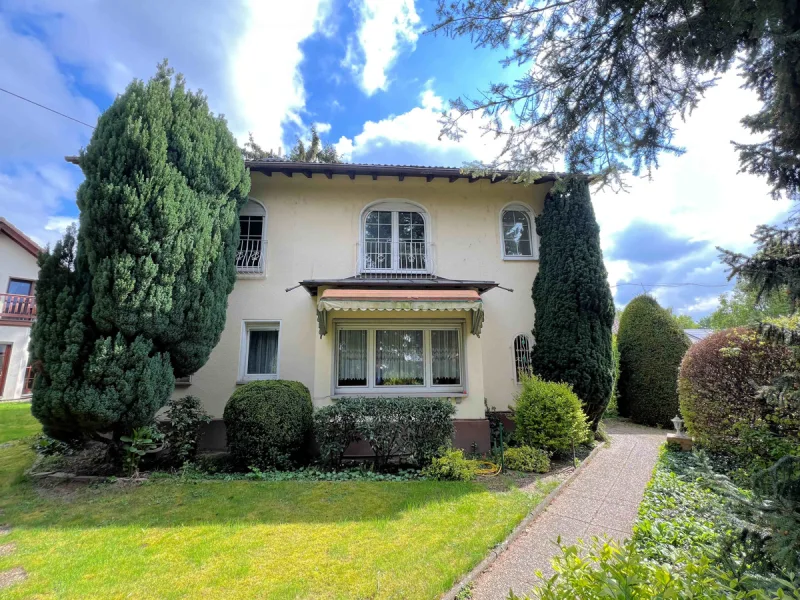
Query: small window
x=519 y=239
x=250 y=256
x=260 y=349
x=20 y=287
x=523 y=349
x=30 y=376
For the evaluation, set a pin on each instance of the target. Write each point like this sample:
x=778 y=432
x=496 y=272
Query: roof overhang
x=435 y=283
x=403 y=300
x=19 y=237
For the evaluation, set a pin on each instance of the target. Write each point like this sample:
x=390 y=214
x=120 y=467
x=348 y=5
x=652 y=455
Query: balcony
x=395 y=260
x=17 y=310
x=250 y=256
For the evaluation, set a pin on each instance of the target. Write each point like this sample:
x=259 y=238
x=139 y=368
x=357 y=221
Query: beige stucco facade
x=15 y=263
x=313 y=228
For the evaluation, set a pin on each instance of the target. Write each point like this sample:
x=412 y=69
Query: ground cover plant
x=173 y=538
x=16 y=421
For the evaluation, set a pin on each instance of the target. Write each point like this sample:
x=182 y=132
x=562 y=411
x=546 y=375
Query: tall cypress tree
x=140 y=294
x=574 y=306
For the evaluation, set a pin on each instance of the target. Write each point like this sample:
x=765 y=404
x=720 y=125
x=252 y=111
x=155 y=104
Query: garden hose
x=488 y=468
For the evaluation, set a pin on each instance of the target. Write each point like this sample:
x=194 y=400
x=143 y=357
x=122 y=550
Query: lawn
x=16 y=421
x=244 y=539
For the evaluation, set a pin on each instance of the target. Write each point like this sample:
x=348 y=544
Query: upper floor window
x=395 y=239
x=519 y=238
x=523 y=351
x=252 y=239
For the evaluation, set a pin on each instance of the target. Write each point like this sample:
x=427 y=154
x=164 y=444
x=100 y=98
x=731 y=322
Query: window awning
x=399 y=300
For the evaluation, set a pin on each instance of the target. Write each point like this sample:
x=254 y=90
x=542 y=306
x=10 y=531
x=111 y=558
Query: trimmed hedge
x=548 y=415
x=268 y=424
x=417 y=427
x=720 y=378
x=651 y=347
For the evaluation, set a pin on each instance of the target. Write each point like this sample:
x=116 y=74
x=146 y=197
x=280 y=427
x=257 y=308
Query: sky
x=366 y=73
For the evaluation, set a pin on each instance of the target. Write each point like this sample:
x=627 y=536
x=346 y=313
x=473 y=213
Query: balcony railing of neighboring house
x=250 y=256
x=395 y=260
x=17 y=308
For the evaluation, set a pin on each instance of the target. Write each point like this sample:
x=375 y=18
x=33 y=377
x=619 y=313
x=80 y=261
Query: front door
x=5 y=360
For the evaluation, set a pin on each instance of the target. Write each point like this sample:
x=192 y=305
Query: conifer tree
x=574 y=306
x=651 y=347
x=139 y=295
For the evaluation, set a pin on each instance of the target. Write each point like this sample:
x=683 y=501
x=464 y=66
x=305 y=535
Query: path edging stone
x=495 y=552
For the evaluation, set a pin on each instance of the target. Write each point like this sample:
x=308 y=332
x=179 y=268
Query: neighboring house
x=697 y=335
x=18 y=274
x=378 y=280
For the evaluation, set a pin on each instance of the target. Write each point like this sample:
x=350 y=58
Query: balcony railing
x=14 y=307
x=395 y=260
x=250 y=256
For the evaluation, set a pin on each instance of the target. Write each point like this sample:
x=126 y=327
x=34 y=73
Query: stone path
x=603 y=499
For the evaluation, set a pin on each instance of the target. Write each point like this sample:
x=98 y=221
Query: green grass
x=242 y=539
x=16 y=421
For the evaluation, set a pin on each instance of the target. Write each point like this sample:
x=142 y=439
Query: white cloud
x=413 y=138
x=322 y=127
x=385 y=28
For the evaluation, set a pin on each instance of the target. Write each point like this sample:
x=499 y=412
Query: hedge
x=268 y=424
x=651 y=347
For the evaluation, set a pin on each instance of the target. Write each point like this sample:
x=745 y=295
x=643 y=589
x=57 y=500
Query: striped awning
x=406 y=300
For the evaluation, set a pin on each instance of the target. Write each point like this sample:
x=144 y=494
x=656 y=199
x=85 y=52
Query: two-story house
x=18 y=274
x=380 y=280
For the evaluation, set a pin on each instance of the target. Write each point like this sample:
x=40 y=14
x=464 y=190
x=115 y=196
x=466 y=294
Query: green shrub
x=182 y=431
x=451 y=465
x=527 y=459
x=268 y=424
x=612 y=410
x=719 y=384
x=548 y=415
x=651 y=347
x=415 y=427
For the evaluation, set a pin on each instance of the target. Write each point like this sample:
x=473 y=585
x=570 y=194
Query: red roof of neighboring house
x=401 y=295
x=19 y=237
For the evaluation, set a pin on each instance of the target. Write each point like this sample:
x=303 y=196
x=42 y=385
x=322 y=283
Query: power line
x=45 y=107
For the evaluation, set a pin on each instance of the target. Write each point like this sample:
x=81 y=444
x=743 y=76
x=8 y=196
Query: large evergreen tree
x=574 y=306
x=651 y=346
x=140 y=295
x=606 y=80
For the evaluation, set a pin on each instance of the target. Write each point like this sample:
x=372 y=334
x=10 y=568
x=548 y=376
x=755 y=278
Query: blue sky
x=366 y=73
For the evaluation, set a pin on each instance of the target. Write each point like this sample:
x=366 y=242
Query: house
x=18 y=274
x=697 y=335
x=380 y=280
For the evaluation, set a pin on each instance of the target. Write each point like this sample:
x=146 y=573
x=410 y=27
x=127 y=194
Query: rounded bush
x=451 y=465
x=651 y=347
x=527 y=459
x=548 y=415
x=719 y=381
x=268 y=424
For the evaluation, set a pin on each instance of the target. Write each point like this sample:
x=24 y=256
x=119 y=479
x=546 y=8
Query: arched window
x=394 y=239
x=518 y=234
x=523 y=349
x=252 y=238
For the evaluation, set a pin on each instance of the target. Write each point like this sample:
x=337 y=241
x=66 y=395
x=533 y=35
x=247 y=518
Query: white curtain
x=352 y=357
x=399 y=357
x=262 y=356
x=446 y=360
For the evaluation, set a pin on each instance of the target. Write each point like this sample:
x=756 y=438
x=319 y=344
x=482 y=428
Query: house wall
x=313 y=230
x=18 y=263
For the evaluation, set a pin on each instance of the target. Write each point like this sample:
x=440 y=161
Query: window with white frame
x=399 y=358
x=259 y=357
x=394 y=238
x=250 y=255
x=523 y=351
x=518 y=234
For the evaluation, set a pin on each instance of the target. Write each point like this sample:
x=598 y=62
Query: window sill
x=521 y=258
x=457 y=395
x=262 y=275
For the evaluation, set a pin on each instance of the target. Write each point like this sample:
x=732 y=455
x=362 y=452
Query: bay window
x=399 y=358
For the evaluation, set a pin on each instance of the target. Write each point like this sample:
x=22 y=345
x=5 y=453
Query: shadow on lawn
x=171 y=503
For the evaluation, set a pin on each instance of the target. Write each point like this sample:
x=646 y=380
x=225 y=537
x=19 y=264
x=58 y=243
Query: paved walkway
x=603 y=499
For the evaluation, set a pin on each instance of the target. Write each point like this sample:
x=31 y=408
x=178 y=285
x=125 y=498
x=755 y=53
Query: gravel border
x=495 y=552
